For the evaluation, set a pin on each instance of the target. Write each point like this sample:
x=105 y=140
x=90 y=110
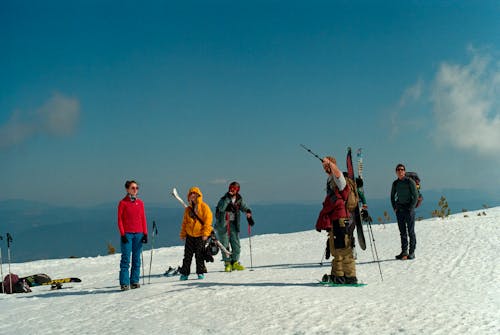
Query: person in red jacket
x=133 y=232
x=334 y=218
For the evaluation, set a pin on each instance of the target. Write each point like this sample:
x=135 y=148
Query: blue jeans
x=134 y=246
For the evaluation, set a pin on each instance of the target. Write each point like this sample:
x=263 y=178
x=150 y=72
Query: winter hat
x=235 y=186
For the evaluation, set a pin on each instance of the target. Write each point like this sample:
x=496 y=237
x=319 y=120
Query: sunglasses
x=134 y=187
x=400 y=169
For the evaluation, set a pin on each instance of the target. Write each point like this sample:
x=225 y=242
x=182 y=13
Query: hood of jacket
x=196 y=190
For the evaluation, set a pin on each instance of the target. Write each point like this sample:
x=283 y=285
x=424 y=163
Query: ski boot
x=135 y=285
x=237 y=266
x=228 y=267
x=351 y=280
x=201 y=276
x=402 y=256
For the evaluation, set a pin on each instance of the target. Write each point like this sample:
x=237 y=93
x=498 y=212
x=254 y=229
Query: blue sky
x=175 y=94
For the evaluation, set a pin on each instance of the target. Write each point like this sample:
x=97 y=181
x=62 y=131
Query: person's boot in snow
x=351 y=280
x=124 y=287
x=183 y=277
x=228 y=267
x=326 y=278
x=237 y=266
x=200 y=276
x=403 y=255
x=411 y=255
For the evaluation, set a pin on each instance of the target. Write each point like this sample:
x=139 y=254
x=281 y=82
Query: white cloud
x=466 y=104
x=410 y=96
x=219 y=181
x=412 y=93
x=58 y=116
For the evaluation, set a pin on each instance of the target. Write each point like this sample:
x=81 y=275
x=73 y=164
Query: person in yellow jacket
x=196 y=228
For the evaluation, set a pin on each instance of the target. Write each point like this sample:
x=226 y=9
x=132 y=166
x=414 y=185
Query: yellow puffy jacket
x=191 y=225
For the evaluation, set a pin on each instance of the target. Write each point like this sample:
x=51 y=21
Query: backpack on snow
x=19 y=285
x=414 y=176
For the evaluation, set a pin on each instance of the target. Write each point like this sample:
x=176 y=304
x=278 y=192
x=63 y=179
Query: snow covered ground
x=452 y=287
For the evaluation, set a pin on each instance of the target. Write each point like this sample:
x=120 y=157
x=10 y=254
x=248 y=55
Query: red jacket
x=333 y=210
x=131 y=216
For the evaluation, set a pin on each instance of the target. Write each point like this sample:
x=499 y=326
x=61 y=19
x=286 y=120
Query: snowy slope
x=452 y=287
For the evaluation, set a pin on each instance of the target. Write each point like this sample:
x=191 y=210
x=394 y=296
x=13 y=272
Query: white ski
x=220 y=245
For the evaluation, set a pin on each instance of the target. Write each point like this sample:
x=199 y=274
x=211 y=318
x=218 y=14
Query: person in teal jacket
x=227 y=225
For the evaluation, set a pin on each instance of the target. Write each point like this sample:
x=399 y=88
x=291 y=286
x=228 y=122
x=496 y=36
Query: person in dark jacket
x=228 y=225
x=404 y=197
x=133 y=233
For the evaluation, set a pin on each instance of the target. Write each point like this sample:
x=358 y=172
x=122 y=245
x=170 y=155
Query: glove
x=124 y=239
x=364 y=214
x=144 y=239
x=251 y=222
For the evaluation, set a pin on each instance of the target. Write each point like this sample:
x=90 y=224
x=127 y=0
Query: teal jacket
x=404 y=194
x=226 y=206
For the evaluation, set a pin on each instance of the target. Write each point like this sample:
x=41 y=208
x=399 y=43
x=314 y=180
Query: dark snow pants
x=193 y=246
x=406 y=224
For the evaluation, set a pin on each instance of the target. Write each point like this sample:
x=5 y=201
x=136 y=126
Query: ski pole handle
x=9 y=240
x=155 y=228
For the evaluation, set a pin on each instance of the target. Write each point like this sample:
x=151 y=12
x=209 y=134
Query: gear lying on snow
x=24 y=284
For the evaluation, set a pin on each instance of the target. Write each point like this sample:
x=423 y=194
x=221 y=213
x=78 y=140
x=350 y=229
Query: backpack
x=353 y=198
x=414 y=176
x=210 y=248
x=18 y=285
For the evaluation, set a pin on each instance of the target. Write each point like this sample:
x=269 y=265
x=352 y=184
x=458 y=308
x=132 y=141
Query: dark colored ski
x=325 y=283
x=356 y=215
x=172 y=271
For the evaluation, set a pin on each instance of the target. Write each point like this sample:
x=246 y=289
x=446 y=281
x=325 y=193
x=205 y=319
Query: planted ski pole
x=1 y=264
x=142 y=263
x=250 y=224
x=176 y=196
x=155 y=232
x=312 y=153
x=9 y=241
x=368 y=218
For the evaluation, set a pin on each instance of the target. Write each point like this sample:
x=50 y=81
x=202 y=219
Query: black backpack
x=211 y=248
x=414 y=176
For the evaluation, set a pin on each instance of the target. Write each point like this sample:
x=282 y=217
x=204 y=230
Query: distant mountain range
x=42 y=231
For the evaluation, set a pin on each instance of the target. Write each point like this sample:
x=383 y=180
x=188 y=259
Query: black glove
x=144 y=239
x=124 y=239
x=364 y=214
x=250 y=220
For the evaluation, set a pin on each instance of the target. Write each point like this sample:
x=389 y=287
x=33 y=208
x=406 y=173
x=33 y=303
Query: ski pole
x=370 y=220
x=1 y=264
x=250 y=244
x=155 y=232
x=142 y=263
x=9 y=241
x=312 y=153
